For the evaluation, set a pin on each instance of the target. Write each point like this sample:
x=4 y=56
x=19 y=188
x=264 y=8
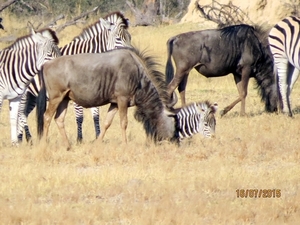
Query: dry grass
x=138 y=184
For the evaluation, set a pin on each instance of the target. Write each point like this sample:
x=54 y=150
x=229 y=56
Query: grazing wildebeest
x=284 y=39
x=219 y=52
x=122 y=77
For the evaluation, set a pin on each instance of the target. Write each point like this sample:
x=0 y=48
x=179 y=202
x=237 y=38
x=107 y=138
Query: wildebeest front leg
x=112 y=110
x=60 y=118
x=242 y=85
x=123 y=108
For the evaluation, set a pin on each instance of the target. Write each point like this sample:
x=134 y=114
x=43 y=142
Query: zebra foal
x=19 y=63
x=284 y=40
x=197 y=117
x=105 y=34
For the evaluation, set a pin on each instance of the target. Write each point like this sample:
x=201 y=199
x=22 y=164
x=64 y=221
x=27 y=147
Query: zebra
x=197 y=117
x=284 y=40
x=19 y=63
x=105 y=34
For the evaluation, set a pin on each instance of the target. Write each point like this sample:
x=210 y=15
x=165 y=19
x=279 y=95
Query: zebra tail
x=41 y=105
x=169 y=65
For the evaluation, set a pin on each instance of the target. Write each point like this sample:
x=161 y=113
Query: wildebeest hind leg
x=59 y=119
x=113 y=109
x=181 y=89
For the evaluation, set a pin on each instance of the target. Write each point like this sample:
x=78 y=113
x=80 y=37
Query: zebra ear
x=106 y=24
x=32 y=31
x=214 y=107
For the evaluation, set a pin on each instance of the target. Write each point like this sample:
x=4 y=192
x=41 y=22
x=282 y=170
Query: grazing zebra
x=105 y=34
x=284 y=40
x=19 y=63
x=197 y=117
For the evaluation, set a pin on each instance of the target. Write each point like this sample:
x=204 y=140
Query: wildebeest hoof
x=222 y=112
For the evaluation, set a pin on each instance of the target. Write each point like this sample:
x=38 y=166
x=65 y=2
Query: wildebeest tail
x=41 y=104
x=169 y=65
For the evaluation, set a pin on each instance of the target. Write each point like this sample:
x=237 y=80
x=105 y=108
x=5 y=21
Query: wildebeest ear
x=169 y=113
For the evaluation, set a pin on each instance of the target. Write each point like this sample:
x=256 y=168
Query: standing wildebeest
x=218 y=52
x=123 y=78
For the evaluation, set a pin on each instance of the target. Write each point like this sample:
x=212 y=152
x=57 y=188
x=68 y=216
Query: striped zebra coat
x=105 y=34
x=284 y=40
x=19 y=63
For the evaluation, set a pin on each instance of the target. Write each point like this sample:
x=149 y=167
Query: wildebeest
x=219 y=52
x=122 y=77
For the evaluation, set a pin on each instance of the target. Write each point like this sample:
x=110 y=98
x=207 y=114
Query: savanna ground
x=165 y=184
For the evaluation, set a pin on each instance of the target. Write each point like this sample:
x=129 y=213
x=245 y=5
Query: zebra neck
x=188 y=123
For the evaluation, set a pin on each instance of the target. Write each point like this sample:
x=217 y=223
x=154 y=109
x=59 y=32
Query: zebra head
x=208 y=120
x=46 y=46
x=198 y=117
x=118 y=25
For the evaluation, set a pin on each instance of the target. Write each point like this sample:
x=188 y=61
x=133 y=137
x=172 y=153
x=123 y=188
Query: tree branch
x=6 y=4
x=75 y=20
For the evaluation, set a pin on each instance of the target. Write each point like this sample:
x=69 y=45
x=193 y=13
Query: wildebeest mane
x=265 y=77
x=234 y=39
x=263 y=66
x=148 y=111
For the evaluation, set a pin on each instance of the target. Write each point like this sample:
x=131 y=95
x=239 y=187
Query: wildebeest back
x=94 y=76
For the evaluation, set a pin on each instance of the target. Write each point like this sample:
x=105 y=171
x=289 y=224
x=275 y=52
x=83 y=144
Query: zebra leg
x=79 y=120
x=282 y=73
x=293 y=77
x=22 y=119
x=96 y=118
x=14 y=108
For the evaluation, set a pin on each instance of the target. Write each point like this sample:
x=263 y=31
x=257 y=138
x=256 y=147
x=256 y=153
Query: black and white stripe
x=19 y=63
x=197 y=118
x=105 y=34
x=284 y=40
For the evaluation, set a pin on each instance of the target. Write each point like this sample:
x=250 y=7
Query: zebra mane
x=47 y=32
x=112 y=17
x=117 y=16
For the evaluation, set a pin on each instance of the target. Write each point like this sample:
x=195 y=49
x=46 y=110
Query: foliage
x=52 y=8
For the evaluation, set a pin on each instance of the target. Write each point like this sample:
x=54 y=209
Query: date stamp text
x=258 y=193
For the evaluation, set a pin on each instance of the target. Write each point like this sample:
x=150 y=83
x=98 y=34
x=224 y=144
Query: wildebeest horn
x=173 y=100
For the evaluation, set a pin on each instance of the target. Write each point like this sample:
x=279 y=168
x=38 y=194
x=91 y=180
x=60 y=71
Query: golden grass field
x=196 y=183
